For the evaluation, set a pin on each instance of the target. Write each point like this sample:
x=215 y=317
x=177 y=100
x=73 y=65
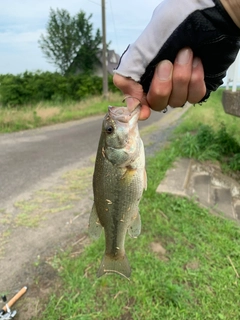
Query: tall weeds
x=208 y=144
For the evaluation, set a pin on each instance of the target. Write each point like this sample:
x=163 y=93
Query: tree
x=70 y=43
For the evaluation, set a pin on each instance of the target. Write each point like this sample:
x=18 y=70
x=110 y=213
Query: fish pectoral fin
x=128 y=176
x=119 y=266
x=134 y=229
x=95 y=227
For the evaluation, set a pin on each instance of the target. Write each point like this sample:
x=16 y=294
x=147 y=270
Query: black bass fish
x=118 y=182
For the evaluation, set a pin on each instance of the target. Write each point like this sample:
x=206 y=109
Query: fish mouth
x=122 y=114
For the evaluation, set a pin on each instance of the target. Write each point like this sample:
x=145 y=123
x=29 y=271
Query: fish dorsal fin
x=95 y=227
x=134 y=229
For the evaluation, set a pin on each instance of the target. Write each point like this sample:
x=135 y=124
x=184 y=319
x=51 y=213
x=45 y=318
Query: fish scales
x=118 y=183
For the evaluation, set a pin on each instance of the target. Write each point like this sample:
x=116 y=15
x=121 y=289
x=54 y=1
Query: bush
x=234 y=163
x=227 y=143
x=31 y=88
x=207 y=144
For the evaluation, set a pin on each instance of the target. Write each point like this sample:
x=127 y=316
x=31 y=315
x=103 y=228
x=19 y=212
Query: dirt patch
x=159 y=250
x=36 y=230
x=192 y=265
x=47 y=113
x=44 y=280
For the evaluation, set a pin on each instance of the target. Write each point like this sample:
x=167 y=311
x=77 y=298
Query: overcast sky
x=23 y=21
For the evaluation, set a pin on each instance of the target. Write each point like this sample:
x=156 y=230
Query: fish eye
x=109 y=129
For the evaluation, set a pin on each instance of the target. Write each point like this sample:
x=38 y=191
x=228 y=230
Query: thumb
x=133 y=93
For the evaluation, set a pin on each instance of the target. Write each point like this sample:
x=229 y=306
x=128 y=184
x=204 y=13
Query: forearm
x=233 y=9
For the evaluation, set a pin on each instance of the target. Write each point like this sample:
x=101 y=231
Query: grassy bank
x=185 y=263
x=208 y=133
x=210 y=113
x=13 y=119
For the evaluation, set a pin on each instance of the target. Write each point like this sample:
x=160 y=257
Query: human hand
x=203 y=26
x=172 y=84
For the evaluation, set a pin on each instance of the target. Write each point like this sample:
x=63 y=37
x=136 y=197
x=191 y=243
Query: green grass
x=207 y=133
x=193 y=279
x=43 y=114
x=207 y=144
x=210 y=113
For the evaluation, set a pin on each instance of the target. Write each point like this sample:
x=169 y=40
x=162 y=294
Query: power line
x=114 y=26
x=104 y=52
x=98 y=4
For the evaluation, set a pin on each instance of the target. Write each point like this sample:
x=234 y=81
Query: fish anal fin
x=134 y=229
x=119 y=266
x=95 y=228
x=145 y=180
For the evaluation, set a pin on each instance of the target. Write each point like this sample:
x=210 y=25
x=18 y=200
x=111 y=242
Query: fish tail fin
x=119 y=266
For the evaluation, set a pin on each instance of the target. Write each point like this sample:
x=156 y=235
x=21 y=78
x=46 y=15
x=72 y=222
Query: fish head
x=118 y=125
x=120 y=129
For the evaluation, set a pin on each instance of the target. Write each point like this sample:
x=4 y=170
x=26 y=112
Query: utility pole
x=104 y=53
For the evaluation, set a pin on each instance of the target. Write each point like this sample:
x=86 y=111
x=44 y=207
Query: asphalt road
x=29 y=157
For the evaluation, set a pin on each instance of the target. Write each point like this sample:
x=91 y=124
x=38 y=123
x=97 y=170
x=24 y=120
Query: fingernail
x=183 y=56
x=164 y=70
x=196 y=61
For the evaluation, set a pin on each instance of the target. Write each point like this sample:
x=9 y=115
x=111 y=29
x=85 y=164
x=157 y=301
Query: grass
x=210 y=113
x=207 y=133
x=43 y=114
x=182 y=265
x=207 y=144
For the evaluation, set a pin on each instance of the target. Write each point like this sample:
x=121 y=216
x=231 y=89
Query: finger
x=145 y=112
x=182 y=71
x=197 y=87
x=161 y=86
x=133 y=93
x=129 y=88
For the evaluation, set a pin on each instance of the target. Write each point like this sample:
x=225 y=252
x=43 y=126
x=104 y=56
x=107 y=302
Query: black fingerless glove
x=204 y=26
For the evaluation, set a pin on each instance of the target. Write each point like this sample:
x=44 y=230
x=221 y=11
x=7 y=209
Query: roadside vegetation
x=47 y=113
x=208 y=133
x=186 y=262
x=28 y=89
